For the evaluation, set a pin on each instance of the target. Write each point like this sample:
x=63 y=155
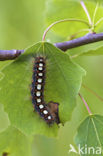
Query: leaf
x=97 y=51
x=14 y=143
x=4 y=121
x=90 y=133
x=60 y=9
x=63 y=81
x=19 y=33
x=56 y=12
x=96 y=1
x=65 y=9
x=89 y=49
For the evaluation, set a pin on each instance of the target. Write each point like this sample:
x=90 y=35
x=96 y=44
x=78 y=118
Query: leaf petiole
x=94 y=15
x=100 y=20
x=86 y=11
x=85 y=103
x=64 y=20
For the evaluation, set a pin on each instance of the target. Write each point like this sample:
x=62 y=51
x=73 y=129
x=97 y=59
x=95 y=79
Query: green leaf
x=4 y=121
x=60 y=9
x=89 y=49
x=97 y=51
x=63 y=81
x=96 y=1
x=14 y=143
x=66 y=9
x=90 y=134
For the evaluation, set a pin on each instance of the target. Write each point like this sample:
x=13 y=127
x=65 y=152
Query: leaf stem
x=61 y=21
x=94 y=15
x=101 y=19
x=75 y=34
x=85 y=103
x=86 y=11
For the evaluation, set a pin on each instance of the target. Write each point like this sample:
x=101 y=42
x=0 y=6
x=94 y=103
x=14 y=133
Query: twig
x=87 y=39
x=85 y=103
x=10 y=54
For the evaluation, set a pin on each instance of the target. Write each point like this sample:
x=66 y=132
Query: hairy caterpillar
x=49 y=112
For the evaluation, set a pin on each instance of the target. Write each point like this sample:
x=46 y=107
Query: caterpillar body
x=49 y=112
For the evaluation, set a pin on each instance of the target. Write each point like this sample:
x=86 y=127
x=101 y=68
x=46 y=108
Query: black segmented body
x=37 y=91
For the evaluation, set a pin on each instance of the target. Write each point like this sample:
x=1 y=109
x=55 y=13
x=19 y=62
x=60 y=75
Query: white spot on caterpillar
x=41 y=106
x=41 y=64
x=39 y=80
x=40 y=68
x=39 y=87
x=40 y=74
x=45 y=112
x=49 y=117
x=38 y=100
x=38 y=93
x=41 y=59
